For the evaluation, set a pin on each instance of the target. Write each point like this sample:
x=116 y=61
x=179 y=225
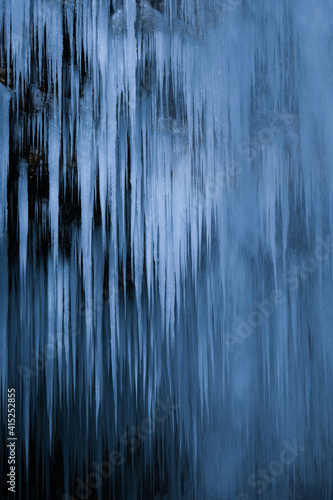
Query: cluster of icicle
x=187 y=151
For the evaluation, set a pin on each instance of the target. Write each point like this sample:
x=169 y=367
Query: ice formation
x=165 y=236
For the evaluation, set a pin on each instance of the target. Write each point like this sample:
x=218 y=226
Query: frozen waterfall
x=166 y=244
